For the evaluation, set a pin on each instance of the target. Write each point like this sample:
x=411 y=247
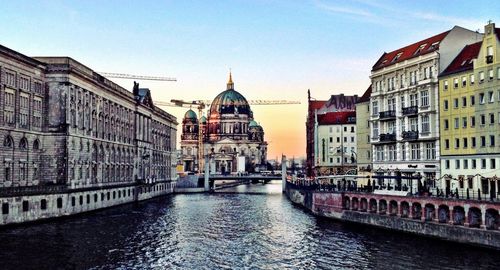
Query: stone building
x=405 y=109
x=469 y=97
x=62 y=123
x=230 y=136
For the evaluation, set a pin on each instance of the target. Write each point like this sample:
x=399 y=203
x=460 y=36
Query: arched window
x=8 y=141
x=23 y=144
x=36 y=144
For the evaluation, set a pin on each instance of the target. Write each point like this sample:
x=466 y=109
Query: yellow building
x=469 y=98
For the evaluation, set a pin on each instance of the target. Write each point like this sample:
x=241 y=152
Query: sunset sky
x=275 y=49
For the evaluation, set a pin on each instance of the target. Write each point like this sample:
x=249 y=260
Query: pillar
x=283 y=173
x=207 y=174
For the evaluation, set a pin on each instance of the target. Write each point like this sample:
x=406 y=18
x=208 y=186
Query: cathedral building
x=230 y=137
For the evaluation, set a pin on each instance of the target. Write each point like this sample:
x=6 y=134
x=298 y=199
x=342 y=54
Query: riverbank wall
x=53 y=202
x=464 y=221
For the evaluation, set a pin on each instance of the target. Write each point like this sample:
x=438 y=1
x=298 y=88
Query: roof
x=463 y=61
x=366 y=96
x=414 y=50
x=190 y=114
x=337 y=118
x=316 y=104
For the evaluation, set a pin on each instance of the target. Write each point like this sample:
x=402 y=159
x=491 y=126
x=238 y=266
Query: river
x=245 y=227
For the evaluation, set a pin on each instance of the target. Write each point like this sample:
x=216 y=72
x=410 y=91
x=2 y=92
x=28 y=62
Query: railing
x=410 y=110
x=387 y=137
x=32 y=190
x=387 y=114
x=423 y=192
x=410 y=135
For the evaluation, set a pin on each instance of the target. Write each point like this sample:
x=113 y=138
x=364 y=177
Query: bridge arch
x=382 y=207
x=405 y=209
x=430 y=212
x=492 y=219
x=458 y=215
x=347 y=202
x=355 y=204
x=474 y=217
x=443 y=213
x=416 y=211
x=373 y=205
x=364 y=205
x=393 y=208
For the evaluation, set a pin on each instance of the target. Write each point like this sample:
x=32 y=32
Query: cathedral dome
x=230 y=101
x=203 y=120
x=190 y=115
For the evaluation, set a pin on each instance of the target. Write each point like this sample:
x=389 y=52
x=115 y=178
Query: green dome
x=203 y=120
x=253 y=124
x=230 y=102
x=190 y=115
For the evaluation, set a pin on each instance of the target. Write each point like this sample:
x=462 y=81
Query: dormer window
x=420 y=49
x=433 y=46
x=396 y=57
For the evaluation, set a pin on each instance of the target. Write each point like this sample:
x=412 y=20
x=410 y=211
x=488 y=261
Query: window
x=490 y=74
x=425 y=123
x=447 y=144
x=402 y=124
x=403 y=151
x=338 y=139
x=483 y=163
x=392 y=152
x=492 y=164
x=481 y=76
x=26 y=206
x=473 y=142
x=464 y=81
x=447 y=164
x=483 y=141
x=466 y=163
x=402 y=81
x=472 y=100
x=446 y=124
x=352 y=129
x=415 y=151
x=492 y=140
x=413 y=124
x=445 y=104
x=331 y=139
x=345 y=129
x=424 y=96
x=464 y=122
x=457 y=143
x=455 y=83
x=492 y=118
x=483 y=119
x=474 y=164
x=465 y=142
x=352 y=139
x=455 y=103
x=472 y=79
x=375 y=107
x=379 y=152
x=472 y=121
x=430 y=151
x=375 y=129
x=498 y=73
x=420 y=49
x=43 y=204
x=445 y=84
x=457 y=163
x=413 y=100
x=464 y=101
x=456 y=122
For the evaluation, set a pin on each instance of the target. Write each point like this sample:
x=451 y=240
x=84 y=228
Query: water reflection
x=225 y=231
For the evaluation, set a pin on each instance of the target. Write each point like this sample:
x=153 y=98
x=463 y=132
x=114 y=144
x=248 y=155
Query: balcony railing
x=410 y=110
x=387 y=137
x=387 y=115
x=410 y=135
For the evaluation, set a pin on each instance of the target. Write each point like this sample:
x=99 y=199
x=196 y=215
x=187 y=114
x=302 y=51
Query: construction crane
x=202 y=104
x=138 y=77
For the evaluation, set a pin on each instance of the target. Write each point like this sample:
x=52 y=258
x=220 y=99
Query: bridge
x=235 y=180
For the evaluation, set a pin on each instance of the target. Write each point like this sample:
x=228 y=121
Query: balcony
x=387 y=137
x=410 y=135
x=387 y=115
x=412 y=110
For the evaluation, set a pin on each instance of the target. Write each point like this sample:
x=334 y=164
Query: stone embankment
x=465 y=221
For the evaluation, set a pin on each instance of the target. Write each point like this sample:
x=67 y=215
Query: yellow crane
x=138 y=77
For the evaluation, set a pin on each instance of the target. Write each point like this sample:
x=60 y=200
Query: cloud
x=344 y=10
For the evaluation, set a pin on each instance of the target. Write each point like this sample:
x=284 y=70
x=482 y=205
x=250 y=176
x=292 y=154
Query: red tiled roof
x=366 y=96
x=463 y=61
x=408 y=52
x=315 y=104
x=336 y=118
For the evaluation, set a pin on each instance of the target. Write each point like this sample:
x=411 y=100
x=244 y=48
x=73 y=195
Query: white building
x=404 y=106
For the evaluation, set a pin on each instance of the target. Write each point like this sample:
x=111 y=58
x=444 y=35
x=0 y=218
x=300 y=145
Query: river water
x=246 y=227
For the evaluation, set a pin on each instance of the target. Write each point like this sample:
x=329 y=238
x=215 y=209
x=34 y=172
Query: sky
x=276 y=49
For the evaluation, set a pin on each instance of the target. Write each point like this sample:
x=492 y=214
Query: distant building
x=469 y=97
x=363 y=146
x=230 y=135
x=331 y=135
x=404 y=107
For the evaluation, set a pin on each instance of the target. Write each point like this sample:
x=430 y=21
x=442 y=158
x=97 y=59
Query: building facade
x=66 y=128
x=331 y=135
x=404 y=108
x=469 y=94
x=231 y=139
x=363 y=146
